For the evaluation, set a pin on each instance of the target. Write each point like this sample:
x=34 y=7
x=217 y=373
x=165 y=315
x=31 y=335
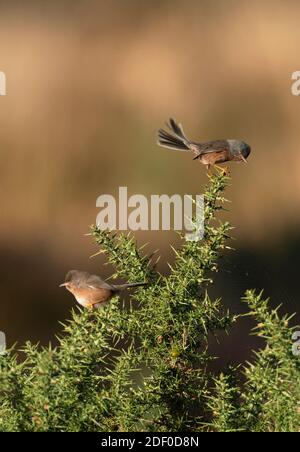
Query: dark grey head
x=78 y=279
x=74 y=278
x=239 y=149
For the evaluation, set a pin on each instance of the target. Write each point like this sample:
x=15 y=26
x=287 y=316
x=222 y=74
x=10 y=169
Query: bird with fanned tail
x=209 y=153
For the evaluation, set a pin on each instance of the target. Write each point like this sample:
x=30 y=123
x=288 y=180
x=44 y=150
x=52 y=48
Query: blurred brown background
x=88 y=85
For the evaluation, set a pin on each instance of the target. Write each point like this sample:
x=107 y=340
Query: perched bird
x=90 y=290
x=209 y=153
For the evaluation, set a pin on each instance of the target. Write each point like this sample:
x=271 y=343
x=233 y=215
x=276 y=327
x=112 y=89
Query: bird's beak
x=63 y=284
x=243 y=158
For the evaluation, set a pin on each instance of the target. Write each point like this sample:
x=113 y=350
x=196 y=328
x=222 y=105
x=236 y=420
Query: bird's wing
x=95 y=282
x=213 y=146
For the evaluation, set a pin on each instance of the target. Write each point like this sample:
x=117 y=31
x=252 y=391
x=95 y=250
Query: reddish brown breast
x=213 y=158
x=88 y=297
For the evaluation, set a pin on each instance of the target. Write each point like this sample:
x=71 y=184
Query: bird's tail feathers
x=129 y=285
x=175 y=139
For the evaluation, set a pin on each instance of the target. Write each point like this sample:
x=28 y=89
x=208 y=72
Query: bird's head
x=239 y=149
x=73 y=280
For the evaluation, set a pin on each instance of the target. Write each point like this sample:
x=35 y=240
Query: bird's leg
x=209 y=173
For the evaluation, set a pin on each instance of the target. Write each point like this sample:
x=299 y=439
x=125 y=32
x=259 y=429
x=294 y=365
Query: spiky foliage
x=271 y=401
x=146 y=366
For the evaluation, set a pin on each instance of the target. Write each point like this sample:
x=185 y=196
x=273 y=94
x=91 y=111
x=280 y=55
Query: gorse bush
x=145 y=367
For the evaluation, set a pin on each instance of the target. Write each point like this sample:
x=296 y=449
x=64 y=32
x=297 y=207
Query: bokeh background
x=88 y=85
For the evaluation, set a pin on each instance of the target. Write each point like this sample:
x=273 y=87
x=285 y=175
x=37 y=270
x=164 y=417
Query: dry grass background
x=89 y=84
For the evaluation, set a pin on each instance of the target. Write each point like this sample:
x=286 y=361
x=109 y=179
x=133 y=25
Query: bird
x=210 y=153
x=90 y=291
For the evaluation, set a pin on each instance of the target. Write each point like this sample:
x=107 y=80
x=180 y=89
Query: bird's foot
x=223 y=170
